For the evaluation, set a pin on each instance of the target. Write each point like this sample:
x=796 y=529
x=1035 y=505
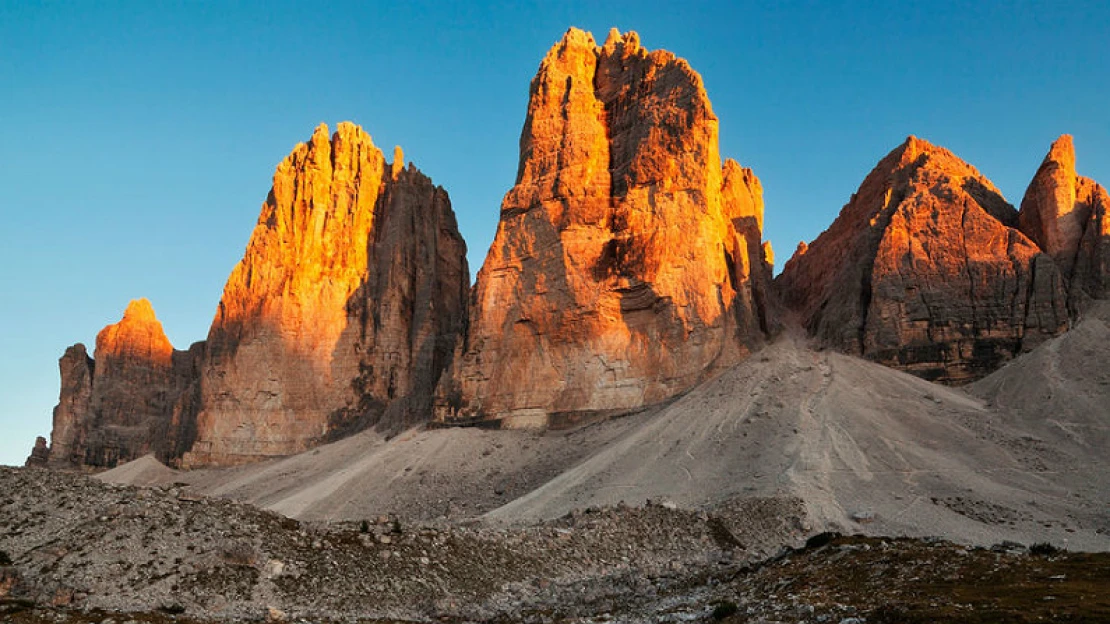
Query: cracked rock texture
x=1067 y=215
x=343 y=311
x=126 y=404
x=925 y=270
x=627 y=265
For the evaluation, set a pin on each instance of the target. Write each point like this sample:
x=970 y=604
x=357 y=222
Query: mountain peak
x=921 y=229
x=1062 y=151
x=138 y=334
x=140 y=310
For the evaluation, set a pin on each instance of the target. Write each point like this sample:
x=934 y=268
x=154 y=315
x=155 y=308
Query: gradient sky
x=138 y=139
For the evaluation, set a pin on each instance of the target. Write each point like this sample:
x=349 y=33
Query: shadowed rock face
x=342 y=315
x=627 y=264
x=122 y=406
x=1067 y=215
x=344 y=308
x=925 y=270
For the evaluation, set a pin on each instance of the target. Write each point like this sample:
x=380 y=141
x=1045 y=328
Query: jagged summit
x=925 y=270
x=628 y=263
x=1066 y=214
x=138 y=334
x=125 y=403
x=341 y=315
x=627 y=268
x=343 y=310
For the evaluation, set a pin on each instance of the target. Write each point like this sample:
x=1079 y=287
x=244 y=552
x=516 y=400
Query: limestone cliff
x=121 y=406
x=627 y=264
x=1068 y=215
x=343 y=310
x=925 y=270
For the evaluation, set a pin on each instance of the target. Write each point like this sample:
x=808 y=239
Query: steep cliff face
x=344 y=307
x=627 y=264
x=122 y=406
x=73 y=414
x=1067 y=215
x=925 y=270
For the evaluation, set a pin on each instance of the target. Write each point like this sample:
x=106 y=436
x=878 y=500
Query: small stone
x=864 y=517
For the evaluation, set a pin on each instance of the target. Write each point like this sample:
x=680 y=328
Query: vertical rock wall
x=627 y=264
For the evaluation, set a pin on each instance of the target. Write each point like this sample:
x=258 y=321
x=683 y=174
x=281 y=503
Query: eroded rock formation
x=627 y=264
x=121 y=406
x=1067 y=215
x=925 y=270
x=342 y=312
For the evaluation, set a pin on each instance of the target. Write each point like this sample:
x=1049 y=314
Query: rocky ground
x=76 y=543
x=724 y=487
x=77 y=550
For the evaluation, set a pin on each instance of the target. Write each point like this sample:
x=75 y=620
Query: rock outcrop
x=627 y=264
x=1068 y=215
x=925 y=270
x=123 y=405
x=343 y=311
x=40 y=454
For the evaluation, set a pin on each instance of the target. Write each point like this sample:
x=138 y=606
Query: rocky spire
x=627 y=265
x=126 y=404
x=345 y=304
x=1066 y=214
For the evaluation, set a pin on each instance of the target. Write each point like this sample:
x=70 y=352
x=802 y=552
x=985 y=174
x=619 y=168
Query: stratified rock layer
x=1067 y=215
x=122 y=406
x=627 y=264
x=925 y=270
x=342 y=312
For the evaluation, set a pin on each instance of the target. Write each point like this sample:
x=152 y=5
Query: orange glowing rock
x=925 y=270
x=627 y=264
x=138 y=335
x=126 y=403
x=343 y=310
x=1067 y=215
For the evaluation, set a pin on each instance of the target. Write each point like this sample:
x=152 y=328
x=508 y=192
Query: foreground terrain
x=698 y=508
x=88 y=552
x=1018 y=456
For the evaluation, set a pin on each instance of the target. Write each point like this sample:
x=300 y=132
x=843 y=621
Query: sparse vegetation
x=1043 y=549
x=238 y=553
x=724 y=609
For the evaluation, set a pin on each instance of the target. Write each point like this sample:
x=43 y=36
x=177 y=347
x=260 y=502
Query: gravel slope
x=1019 y=455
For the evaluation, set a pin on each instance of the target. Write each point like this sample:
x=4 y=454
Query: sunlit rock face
x=342 y=312
x=1067 y=215
x=627 y=264
x=925 y=270
x=123 y=405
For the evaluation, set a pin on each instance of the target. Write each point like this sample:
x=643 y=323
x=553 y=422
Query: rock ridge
x=925 y=270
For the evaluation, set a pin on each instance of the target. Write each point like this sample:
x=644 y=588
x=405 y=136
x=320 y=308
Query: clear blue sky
x=138 y=139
